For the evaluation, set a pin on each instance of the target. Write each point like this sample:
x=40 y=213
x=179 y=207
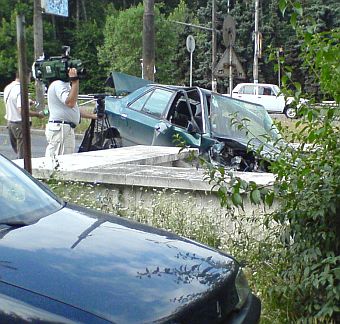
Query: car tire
x=290 y=112
x=114 y=142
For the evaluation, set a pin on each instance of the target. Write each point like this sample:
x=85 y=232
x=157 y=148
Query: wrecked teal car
x=226 y=131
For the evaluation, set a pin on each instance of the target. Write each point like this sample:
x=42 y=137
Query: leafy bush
x=308 y=183
x=306 y=272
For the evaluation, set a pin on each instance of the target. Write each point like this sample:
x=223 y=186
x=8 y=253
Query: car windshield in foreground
x=241 y=121
x=23 y=200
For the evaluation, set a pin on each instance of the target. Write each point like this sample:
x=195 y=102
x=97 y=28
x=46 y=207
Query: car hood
x=245 y=123
x=124 y=83
x=111 y=267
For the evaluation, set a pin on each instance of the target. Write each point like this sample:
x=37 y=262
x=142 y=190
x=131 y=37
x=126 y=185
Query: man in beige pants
x=64 y=116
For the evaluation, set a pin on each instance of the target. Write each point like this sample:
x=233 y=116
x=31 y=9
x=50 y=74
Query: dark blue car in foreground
x=61 y=263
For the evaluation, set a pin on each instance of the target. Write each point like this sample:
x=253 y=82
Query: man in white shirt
x=12 y=98
x=64 y=116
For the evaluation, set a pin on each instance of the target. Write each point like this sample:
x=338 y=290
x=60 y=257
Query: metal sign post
x=190 y=47
x=256 y=44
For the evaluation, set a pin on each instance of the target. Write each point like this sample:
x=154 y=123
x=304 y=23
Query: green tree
x=181 y=60
x=308 y=183
x=86 y=40
x=8 y=50
x=8 y=39
x=122 y=48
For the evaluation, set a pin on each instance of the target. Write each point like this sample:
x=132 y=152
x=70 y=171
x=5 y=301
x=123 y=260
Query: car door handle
x=123 y=116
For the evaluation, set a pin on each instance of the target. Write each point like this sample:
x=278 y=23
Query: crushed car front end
x=228 y=132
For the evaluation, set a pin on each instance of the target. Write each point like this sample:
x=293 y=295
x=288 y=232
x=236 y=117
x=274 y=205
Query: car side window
x=247 y=89
x=265 y=91
x=139 y=103
x=157 y=102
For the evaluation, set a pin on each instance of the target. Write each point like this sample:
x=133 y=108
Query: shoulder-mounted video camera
x=56 y=67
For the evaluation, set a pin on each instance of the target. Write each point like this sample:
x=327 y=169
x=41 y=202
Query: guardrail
x=325 y=103
x=86 y=99
x=81 y=97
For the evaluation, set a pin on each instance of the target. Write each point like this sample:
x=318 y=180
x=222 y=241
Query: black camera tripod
x=100 y=135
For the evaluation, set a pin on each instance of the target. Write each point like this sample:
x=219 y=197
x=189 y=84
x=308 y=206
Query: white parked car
x=267 y=95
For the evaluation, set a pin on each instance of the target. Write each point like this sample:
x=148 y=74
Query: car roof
x=252 y=83
x=176 y=88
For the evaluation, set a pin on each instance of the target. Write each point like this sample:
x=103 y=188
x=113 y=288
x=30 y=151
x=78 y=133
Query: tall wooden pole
x=38 y=50
x=22 y=63
x=149 y=40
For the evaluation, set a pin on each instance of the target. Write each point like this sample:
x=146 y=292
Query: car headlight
x=242 y=288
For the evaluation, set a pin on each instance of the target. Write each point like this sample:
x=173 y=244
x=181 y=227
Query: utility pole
x=38 y=50
x=149 y=40
x=230 y=63
x=256 y=44
x=22 y=63
x=213 y=46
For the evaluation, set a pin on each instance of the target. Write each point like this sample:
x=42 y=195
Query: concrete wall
x=141 y=182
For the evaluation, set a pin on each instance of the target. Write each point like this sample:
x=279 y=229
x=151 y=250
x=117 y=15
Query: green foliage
x=8 y=40
x=8 y=49
x=86 y=40
x=122 y=48
x=307 y=247
x=322 y=57
x=180 y=61
x=309 y=187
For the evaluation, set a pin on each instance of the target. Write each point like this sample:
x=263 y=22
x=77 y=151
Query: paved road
x=38 y=143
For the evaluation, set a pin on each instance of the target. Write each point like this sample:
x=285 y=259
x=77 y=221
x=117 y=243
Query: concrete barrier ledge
x=142 y=166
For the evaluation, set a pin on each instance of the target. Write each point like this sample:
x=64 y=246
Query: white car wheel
x=290 y=112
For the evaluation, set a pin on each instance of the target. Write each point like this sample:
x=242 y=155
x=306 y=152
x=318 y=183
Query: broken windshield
x=241 y=121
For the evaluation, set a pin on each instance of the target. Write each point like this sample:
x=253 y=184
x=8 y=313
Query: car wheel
x=114 y=142
x=290 y=112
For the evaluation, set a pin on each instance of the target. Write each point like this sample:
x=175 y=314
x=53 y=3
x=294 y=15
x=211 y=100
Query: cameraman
x=64 y=116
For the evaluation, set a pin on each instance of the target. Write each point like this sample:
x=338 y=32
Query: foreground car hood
x=115 y=269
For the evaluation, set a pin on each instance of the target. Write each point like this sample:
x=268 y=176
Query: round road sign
x=190 y=43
